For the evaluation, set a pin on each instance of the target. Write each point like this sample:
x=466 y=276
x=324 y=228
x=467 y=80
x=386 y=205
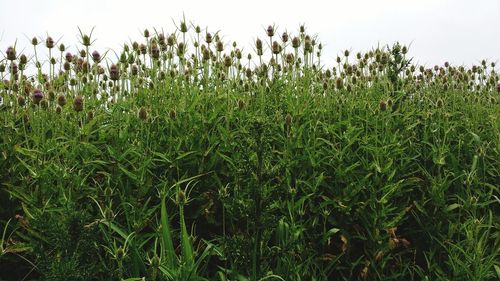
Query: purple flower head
x=37 y=96
x=96 y=57
x=498 y=87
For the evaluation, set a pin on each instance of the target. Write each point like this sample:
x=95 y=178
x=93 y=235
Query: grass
x=191 y=160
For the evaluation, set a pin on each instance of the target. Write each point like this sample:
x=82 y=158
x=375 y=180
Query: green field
x=184 y=157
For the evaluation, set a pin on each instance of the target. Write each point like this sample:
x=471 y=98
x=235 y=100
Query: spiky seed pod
x=270 y=31
x=134 y=70
x=23 y=59
x=2 y=68
x=339 y=83
x=208 y=38
x=78 y=103
x=439 y=103
x=69 y=57
x=241 y=104
x=146 y=33
x=11 y=53
x=143 y=114
x=181 y=198
x=49 y=42
x=219 y=46
x=276 y=47
x=498 y=88
x=96 y=57
x=120 y=253
x=183 y=27
x=346 y=53
x=383 y=105
x=58 y=109
x=37 y=96
x=258 y=44
x=34 y=41
x=173 y=114
x=44 y=104
x=288 y=120
x=21 y=101
x=296 y=42
x=114 y=72
x=284 y=37
x=155 y=52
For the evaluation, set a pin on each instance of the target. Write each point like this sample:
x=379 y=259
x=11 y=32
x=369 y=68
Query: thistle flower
x=498 y=87
x=37 y=96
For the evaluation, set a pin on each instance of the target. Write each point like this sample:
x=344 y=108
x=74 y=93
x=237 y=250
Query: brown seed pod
x=143 y=114
x=78 y=103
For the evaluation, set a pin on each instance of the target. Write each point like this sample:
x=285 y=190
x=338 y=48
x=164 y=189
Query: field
x=184 y=157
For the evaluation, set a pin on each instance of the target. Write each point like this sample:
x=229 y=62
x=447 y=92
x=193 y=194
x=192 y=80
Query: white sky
x=458 y=31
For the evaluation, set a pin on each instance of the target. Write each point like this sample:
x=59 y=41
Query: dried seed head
x=383 y=106
x=44 y=104
x=146 y=33
x=284 y=37
x=270 y=31
x=173 y=114
x=49 y=42
x=208 y=38
x=96 y=57
x=21 y=101
x=34 y=41
x=78 y=103
x=62 y=48
x=23 y=59
x=288 y=120
x=11 y=53
x=37 y=96
x=114 y=72
x=2 y=68
x=58 y=109
x=143 y=114
x=183 y=27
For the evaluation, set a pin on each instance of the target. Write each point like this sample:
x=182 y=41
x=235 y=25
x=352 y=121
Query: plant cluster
x=187 y=158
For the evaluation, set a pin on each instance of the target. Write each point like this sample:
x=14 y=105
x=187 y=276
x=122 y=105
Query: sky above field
x=458 y=31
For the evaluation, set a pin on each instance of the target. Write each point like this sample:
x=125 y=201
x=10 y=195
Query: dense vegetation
x=188 y=159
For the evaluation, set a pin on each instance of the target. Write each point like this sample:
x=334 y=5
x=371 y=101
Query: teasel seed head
x=288 y=120
x=21 y=101
x=270 y=31
x=78 y=103
x=114 y=72
x=383 y=106
x=143 y=114
x=37 y=96
x=241 y=104
x=49 y=42
x=96 y=57
x=173 y=114
x=11 y=53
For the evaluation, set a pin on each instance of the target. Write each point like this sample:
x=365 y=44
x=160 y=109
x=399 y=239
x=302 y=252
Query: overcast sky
x=458 y=31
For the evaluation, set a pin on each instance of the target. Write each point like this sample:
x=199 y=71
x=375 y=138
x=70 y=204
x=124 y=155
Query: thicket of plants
x=188 y=158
